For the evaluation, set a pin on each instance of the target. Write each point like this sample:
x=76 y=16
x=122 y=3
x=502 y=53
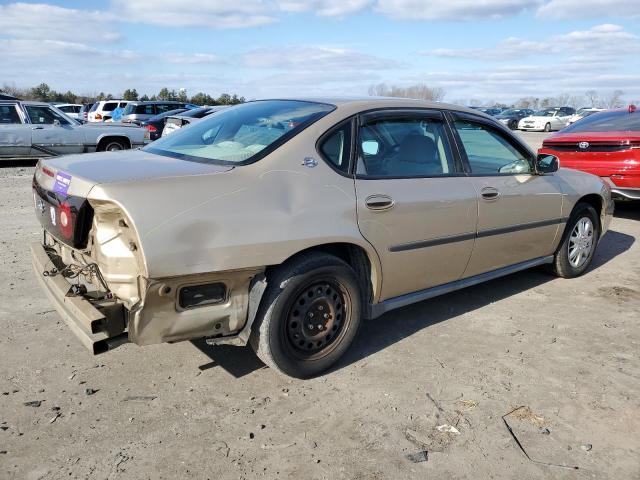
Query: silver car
x=176 y=122
x=137 y=112
x=38 y=129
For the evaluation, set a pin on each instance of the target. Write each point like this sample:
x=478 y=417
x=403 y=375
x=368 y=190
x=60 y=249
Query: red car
x=606 y=144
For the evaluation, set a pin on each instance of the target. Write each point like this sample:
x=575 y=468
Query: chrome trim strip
x=470 y=236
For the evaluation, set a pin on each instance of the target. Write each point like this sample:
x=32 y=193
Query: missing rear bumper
x=100 y=325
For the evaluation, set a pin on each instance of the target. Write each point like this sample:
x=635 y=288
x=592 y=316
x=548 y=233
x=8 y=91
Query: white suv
x=101 y=110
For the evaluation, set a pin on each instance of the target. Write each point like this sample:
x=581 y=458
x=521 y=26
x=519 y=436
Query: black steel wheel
x=308 y=316
x=316 y=318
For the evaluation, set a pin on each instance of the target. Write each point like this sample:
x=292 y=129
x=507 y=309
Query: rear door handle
x=490 y=193
x=379 y=202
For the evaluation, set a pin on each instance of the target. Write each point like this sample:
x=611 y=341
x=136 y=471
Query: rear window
x=94 y=107
x=144 y=110
x=615 y=121
x=242 y=133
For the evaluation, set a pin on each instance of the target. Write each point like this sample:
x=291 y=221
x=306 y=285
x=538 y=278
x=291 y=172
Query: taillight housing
x=151 y=128
x=66 y=220
x=98 y=116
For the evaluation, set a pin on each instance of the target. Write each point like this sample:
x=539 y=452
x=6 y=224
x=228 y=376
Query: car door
x=414 y=204
x=519 y=211
x=52 y=133
x=15 y=136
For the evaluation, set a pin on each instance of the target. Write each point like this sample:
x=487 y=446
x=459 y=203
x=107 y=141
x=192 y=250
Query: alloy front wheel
x=581 y=242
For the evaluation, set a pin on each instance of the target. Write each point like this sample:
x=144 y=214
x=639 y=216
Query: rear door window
x=404 y=147
x=109 y=106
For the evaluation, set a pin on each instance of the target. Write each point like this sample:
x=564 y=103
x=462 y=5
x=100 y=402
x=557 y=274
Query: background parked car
x=583 y=113
x=70 y=109
x=38 y=129
x=84 y=112
x=512 y=116
x=546 y=120
x=175 y=122
x=606 y=144
x=155 y=124
x=101 y=110
x=137 y=112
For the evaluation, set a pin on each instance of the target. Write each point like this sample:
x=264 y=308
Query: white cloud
x=453 y=9
x=214 y=14
x=571 y=9
x=28 y=52
x=315 y=58
x=191 y=58
x=325 y=8
x=44 y=21
x=598 y=42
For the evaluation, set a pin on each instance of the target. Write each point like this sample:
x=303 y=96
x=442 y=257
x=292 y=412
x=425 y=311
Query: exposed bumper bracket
x=86 y=321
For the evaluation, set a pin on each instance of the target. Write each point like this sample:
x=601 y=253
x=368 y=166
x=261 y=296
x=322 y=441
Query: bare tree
x=576 y=101
x=419 y=91
x=563 y=100
x=613 y=100
x=592 y=97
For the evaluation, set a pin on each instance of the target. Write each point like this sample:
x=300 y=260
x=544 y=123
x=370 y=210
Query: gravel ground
x=566 y=350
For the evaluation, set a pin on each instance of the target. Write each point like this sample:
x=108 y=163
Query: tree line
x=591 y=98
x=44 y=93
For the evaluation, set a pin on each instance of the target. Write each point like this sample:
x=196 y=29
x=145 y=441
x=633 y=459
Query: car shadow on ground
x=378 y=334
x=237 y=361
x=627 y=210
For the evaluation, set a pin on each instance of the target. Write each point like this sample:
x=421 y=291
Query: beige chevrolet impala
x=285 y=223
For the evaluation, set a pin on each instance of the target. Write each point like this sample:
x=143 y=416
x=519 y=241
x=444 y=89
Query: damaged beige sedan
x=284 y=223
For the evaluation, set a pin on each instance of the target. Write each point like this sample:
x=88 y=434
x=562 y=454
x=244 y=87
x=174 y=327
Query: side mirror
x=546 y=163
x=56 y=122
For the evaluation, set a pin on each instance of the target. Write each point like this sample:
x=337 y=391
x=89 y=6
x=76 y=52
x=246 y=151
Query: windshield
x=506 y=113
x=615 y=121
x=544 y=113
x=235 y=135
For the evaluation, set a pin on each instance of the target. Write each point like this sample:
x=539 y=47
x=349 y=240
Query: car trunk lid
x=61 y=185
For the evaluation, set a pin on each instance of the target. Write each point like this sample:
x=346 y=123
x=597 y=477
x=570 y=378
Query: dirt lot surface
x=565 y=350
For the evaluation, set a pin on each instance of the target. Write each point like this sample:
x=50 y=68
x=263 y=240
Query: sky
x=489 y=50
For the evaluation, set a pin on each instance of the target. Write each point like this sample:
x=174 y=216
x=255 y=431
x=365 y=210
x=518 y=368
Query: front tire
x=575 y=253
x=547 y=127
x=309 y=315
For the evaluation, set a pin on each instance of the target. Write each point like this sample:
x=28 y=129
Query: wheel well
x=104 y=140
x=351 y=254
x=595 y=201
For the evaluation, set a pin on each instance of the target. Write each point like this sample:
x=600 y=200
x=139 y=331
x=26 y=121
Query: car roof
x=27 y=102
x=152 y=102
x=365 y=102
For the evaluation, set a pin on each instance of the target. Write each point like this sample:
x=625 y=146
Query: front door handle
x=379 y=202
x=490 y=193
x=37 y=128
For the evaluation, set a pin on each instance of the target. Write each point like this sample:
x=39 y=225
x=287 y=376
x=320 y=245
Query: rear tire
x=309 y=315
x=579 y=241
x=113 y=146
